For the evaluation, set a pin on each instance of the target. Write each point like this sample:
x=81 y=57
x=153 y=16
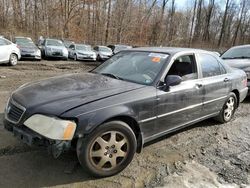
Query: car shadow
x=33 y=167
x=246 y=100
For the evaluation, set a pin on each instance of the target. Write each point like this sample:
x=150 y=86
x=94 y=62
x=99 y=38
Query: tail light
x=244 y=81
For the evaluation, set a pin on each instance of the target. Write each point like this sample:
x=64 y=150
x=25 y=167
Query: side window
x=209 y=65
x=222 y=69
x=2 y=43
x=185 y=67
x=72 y=47
x=7 y=42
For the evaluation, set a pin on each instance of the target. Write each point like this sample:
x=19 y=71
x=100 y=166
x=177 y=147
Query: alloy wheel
x=13 y=59
x=109 y=150
x=229 y=109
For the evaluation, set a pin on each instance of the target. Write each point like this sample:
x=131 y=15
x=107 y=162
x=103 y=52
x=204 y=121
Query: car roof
x=53 y=39
x=168 y=50
x=242 y=46
x=102 y=46
x=22 y=37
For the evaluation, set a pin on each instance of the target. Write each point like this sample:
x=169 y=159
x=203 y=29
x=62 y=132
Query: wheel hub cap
x=109 y=150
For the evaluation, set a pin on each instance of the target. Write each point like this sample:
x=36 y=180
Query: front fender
x=89 y=121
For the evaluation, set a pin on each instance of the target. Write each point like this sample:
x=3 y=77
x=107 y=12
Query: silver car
x=52 y=48
x=81 y=52
x=9 y=52
x=27 y=47
x=239 y=57
x=103 y=52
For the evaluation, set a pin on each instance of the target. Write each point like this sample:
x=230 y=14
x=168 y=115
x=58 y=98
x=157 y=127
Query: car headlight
x=65 y=51
x=49 y=49
x=51 y=127
x=38 y=53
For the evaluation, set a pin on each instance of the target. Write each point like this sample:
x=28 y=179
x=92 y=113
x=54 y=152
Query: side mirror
x=172 y=80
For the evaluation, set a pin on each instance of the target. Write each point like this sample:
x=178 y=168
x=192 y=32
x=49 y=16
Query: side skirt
x=153 y=137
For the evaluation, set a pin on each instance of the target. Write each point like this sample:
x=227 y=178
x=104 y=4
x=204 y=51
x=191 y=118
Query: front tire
x=108 y=150
x=75 y=57
x=228 y=110
x=13 y=60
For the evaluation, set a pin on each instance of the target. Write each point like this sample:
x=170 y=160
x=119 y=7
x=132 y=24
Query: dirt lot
x=207 y=154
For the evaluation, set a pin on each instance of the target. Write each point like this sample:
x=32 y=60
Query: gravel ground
x=207 y=154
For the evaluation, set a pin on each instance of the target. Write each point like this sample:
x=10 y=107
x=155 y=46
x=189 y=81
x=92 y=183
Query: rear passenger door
x=216 y=83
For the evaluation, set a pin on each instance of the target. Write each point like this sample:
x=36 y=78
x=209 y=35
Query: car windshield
x=54 y=43
x=23 y=40
x=137 y=67
x=122 y=47
x=105 y=49
x=237 y=53
x=26 y=44
x=83 y=47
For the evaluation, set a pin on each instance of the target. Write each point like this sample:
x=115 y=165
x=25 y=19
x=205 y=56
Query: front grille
x=14 y=112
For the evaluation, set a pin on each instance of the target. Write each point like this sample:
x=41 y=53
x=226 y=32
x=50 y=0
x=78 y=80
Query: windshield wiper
x=112 y=76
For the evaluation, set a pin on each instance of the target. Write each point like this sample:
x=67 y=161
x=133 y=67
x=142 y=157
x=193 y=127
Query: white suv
x=9 y=52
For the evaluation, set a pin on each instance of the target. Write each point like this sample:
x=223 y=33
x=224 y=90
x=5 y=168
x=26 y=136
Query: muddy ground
x=207 y=154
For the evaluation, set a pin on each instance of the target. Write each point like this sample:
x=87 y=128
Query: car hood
x=59 y=94
x=86 y=52
x=29 y=49
x=106 y=53
x=57 y=47
x=238 y=63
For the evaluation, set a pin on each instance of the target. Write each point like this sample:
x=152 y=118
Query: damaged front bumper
x=31 y=138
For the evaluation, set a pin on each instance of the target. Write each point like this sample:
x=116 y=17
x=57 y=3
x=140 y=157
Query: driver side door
x=180 y=104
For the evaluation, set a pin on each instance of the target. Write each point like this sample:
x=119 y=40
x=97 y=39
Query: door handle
x=199 y=86
x=226 y=80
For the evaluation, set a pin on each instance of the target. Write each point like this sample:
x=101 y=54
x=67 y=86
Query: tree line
x=197 y=23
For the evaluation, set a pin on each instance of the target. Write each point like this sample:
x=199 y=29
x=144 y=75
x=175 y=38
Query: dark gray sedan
x=135 y=97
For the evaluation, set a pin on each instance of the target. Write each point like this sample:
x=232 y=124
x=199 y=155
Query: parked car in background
x=9 y=52
x=118 y=48
x=134 y=97
x=103 y=52
x=53 y=48
x=81 y=52
x=239 y=57
x=27 y=47
x=67 y=43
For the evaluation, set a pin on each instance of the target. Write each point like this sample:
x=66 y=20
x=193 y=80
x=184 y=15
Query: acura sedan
x=136 y=96
x=9 y=52
x=239 y=57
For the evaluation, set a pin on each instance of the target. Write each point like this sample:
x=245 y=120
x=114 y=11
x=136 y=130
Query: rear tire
x=108 y=149
x=228 y=110
x=13 y=60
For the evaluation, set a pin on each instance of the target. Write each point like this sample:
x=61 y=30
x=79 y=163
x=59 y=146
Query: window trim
x=176 y=56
